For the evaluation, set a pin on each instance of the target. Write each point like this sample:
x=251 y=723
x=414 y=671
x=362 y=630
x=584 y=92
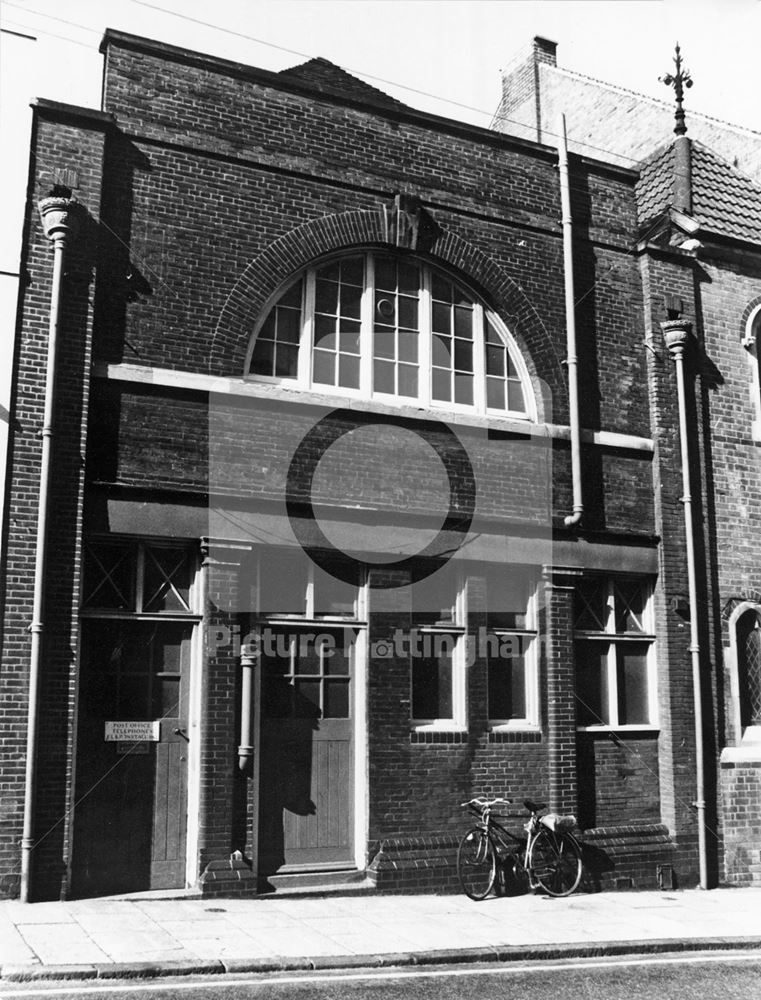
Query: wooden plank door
x=306 y=787
x=131 y=796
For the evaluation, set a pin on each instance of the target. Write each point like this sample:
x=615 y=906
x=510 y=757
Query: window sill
x=453 y=737
x=515 y=735
x=632 y=730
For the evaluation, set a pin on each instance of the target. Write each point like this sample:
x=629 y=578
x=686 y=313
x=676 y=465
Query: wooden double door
x=130 y=815
x=306 y=773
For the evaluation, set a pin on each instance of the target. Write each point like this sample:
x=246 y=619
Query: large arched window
x=391 y=327
x=752 y=343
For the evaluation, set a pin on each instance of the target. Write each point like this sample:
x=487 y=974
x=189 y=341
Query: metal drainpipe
x=570 y=322
x=246 y=749
x=59 y=223
x=678 y=333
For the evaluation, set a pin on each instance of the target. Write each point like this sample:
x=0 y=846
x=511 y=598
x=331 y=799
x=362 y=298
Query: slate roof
x=325 y=77
x=724 y=200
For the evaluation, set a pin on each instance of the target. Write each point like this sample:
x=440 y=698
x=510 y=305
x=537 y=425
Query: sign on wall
x=133 y=732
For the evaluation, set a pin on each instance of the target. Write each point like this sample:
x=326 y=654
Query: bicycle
x=549 y=854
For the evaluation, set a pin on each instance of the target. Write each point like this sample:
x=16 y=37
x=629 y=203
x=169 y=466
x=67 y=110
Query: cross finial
x=678 y=80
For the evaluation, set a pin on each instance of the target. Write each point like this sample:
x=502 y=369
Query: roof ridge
x=647 y=97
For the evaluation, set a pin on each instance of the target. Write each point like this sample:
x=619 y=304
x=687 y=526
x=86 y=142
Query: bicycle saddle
x=532 y=806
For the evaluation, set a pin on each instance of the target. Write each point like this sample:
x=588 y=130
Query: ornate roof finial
x=678 y=81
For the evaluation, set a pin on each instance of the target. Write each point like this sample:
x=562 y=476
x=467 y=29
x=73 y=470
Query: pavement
x=143 y=936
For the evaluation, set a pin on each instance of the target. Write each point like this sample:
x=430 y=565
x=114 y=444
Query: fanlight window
x=390 y=327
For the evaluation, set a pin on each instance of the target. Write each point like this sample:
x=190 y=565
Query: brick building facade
x=311 y=576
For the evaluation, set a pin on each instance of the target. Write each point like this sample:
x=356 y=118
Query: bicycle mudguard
x=558 y=824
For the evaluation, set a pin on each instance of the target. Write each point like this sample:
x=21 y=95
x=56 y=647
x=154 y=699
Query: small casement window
x=391 y=327
x=509 y=646
x=437 y=650
x=752 y=343
x=748 y=639
x=130 y=577
x=614 y=644
x=289 y=585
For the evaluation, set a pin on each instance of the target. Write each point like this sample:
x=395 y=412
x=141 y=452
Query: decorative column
x=60 y=223
x=560 y=668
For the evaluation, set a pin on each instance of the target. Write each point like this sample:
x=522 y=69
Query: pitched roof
x=655 y=183
x=724 y=200
x=325 y=77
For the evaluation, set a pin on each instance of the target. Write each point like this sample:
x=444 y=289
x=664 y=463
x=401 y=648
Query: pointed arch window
x=391 y=327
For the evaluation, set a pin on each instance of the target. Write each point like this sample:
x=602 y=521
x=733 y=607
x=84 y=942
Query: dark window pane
x=283 y=583
x=385 y=343
x=288 y=326
x=408 y=380
x=495 y=393
x=383 y=376
x=442 y=351
x=166 y=580
x=409 y=278
x=307 y=654
x=590 y=602
x=441 y=385
x=431 y=688
x=515 y=400
x=325 y=332
x=326 y=297
x=166 y=698
x=495 y=360
x=441 y=289
x=349 y=337
x=408 y=317
x=353 y=270
x=492 y=336
x=463 y=355
x=262 y=359
x=385 y=309
x=292 y=297
x=323 y=367
x=633 y=707
x=333 y=596
x=408 y=346
x=630 y=602
x=277 y=695
x=348 y=371
x=335 y=656
x=330 y=271
x=507 y=680
x=306 y=702
x=385 y=274
x=336 y=695
x=109 y=577
x=508 y=590
x=441 y=318
x=286 y=361
x=351 y=301
x=267 y=330
x=463 y=389
x=463 y=322
x=592 y=683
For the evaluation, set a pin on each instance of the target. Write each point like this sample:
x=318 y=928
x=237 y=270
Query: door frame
x=359 y=734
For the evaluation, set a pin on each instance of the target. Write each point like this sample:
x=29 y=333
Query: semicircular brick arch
x=267 y=272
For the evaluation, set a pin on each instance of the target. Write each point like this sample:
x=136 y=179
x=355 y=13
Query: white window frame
x=459 y=719
x=752 y=344
x=303 y=380
x=616 y=640
x=528 y=637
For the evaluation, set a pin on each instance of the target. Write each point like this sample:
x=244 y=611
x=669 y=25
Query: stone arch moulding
x=265 y=274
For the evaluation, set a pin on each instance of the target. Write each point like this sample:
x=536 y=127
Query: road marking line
x=220 y=981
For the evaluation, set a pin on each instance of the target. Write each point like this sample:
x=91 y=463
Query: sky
x=441 y=56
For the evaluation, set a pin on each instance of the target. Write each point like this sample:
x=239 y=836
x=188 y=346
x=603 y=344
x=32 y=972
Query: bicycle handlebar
x=484 y=803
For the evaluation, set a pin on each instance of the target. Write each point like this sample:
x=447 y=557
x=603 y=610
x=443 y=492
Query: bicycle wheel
x=555 y=862
x=476 y=863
